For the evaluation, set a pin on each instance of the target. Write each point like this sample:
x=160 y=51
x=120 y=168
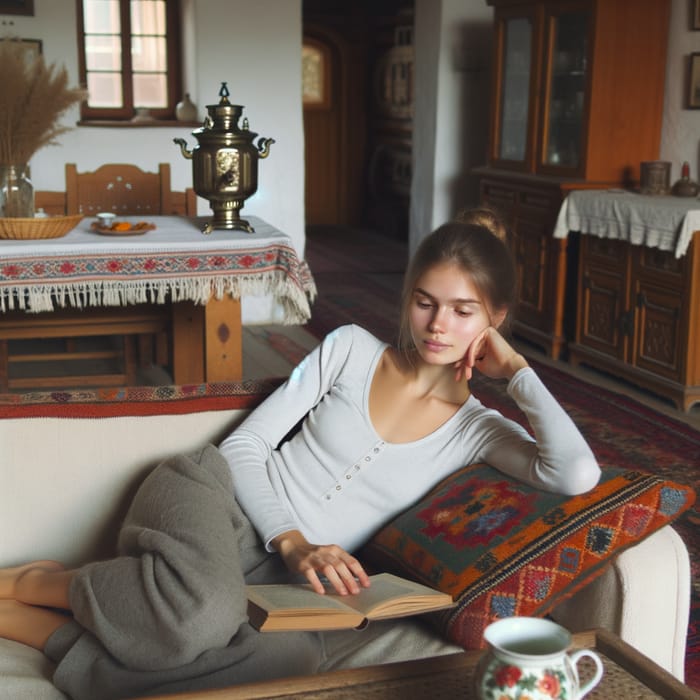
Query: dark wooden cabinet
x=575 y=105
x=530 y=209
x=639 y=316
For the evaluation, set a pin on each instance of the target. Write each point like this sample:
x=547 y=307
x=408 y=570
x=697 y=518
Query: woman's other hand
x=343 y=571
x=492 y=355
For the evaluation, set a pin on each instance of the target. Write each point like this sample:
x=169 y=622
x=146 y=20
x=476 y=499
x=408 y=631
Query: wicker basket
x=28 y=229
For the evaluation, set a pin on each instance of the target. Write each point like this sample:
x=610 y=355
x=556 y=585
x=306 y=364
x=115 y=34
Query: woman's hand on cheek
x=343 y=571
x=474 y=355
x=492 y=355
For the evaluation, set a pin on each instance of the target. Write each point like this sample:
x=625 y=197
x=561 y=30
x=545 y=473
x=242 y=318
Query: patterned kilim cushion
x=502 y=548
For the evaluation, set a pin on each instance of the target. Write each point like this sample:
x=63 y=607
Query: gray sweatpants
x=169 y=612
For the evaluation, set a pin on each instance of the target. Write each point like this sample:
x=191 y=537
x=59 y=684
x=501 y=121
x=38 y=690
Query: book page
x=393 y=595
x=292 y=598
x=298 y=606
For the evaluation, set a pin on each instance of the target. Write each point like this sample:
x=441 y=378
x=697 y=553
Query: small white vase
x=186 y=110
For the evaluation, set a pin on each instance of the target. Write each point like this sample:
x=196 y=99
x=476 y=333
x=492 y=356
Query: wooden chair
x=129 y=337
x=120 y=188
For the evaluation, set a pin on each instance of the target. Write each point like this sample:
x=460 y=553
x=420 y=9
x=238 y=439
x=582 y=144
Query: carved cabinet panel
x=658 y=343
x=605 y=322
x=638 y=316
x=530 y=208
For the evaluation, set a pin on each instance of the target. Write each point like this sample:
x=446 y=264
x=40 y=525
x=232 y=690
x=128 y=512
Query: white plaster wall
x=453 y=48
x=256 y=48
x=462 y=105
x=680 y=138
x=427 y=31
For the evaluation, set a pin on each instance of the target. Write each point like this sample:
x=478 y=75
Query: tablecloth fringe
x=47 y=297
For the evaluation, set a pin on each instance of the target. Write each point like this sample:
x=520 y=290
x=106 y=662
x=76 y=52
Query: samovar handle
x=264 y=147
x=183 y=148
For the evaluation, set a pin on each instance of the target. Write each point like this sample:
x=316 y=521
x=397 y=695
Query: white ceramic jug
x=527 y=657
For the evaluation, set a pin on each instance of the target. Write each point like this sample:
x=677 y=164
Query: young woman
x=380 y=425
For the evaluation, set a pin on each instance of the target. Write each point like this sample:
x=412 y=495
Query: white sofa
x=65 y=482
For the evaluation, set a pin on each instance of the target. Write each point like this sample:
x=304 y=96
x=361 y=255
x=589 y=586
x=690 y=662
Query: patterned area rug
x=359 y=281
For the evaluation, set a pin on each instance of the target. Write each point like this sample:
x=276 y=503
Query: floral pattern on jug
x=505 y=682
x=527 y=659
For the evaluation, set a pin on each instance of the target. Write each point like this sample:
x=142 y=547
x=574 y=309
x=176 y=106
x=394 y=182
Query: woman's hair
x=475 y=243
x=483 y=216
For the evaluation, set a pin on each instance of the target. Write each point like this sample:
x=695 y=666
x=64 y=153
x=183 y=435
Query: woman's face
x=446 y=313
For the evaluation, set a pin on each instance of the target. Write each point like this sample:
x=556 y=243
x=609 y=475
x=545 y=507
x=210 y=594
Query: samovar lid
x=224 y=115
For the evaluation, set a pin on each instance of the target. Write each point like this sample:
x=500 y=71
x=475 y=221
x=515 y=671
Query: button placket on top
x=355 y=470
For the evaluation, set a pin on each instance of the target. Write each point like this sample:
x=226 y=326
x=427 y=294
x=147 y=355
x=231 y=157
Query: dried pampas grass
x=32 y=98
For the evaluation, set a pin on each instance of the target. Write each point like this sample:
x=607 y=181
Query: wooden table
x=628 y=674
x=201 y=277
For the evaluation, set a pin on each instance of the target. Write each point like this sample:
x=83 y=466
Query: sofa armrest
x=643 y=597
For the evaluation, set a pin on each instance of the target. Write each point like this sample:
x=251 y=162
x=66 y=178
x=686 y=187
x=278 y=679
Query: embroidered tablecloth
x=176 y=261
x=655 y=221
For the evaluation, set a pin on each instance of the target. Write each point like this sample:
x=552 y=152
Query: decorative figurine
x=685 y=187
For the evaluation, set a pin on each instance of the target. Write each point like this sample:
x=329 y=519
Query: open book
x=296 y=606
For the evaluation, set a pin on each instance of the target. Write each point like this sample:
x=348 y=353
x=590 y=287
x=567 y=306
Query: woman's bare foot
x=10 y=576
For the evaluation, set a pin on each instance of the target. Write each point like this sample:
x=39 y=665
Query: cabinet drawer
x=498 y=195
x=544 y=203
x=661 y=265
x=604 y=251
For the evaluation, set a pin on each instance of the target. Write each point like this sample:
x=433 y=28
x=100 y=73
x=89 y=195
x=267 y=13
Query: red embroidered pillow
x=502 y=548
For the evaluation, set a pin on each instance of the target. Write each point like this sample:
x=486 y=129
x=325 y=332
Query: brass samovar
x=225 y=163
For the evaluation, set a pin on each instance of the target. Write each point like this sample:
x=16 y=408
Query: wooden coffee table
x=628 y=674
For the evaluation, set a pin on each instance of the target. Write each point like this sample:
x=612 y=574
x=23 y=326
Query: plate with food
x=122 y=228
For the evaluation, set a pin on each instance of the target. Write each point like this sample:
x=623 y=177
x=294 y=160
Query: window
x=315 y=74
x=129 y=57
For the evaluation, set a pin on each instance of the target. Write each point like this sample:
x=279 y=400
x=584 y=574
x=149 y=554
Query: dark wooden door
x=334 y=131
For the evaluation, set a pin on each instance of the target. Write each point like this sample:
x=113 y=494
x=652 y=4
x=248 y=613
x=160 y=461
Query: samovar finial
x=224 y=94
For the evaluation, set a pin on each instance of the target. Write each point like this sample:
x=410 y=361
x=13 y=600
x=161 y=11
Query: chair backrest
x=120 y=188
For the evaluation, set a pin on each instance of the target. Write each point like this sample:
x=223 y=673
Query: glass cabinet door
x=514 y=98
x=565 y=97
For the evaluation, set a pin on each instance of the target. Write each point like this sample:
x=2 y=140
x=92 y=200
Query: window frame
x=173 y=63
x=324 y=102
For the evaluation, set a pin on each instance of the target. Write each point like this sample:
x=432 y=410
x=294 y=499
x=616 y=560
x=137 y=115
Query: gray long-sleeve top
x=337 y=481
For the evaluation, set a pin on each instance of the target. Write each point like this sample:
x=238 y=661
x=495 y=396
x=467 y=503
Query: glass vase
x=16 y=192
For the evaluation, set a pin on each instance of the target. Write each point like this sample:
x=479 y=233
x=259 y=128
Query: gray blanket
x=169 y=612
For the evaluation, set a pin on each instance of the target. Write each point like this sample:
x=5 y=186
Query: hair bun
x=485 y=217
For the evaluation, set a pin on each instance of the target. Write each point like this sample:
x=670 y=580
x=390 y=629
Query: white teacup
x=528 y=656
x=106 y=218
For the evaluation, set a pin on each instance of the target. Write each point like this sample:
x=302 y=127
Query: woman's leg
x=37 y=583
x=177 y=588
x=29 y=624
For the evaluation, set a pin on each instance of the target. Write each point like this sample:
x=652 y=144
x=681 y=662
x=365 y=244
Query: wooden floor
x=261 y=357
x=268 y=351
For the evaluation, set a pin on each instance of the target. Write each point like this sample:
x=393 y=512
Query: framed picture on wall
x=695 y=14
x=16 y=7
x=694 y=81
